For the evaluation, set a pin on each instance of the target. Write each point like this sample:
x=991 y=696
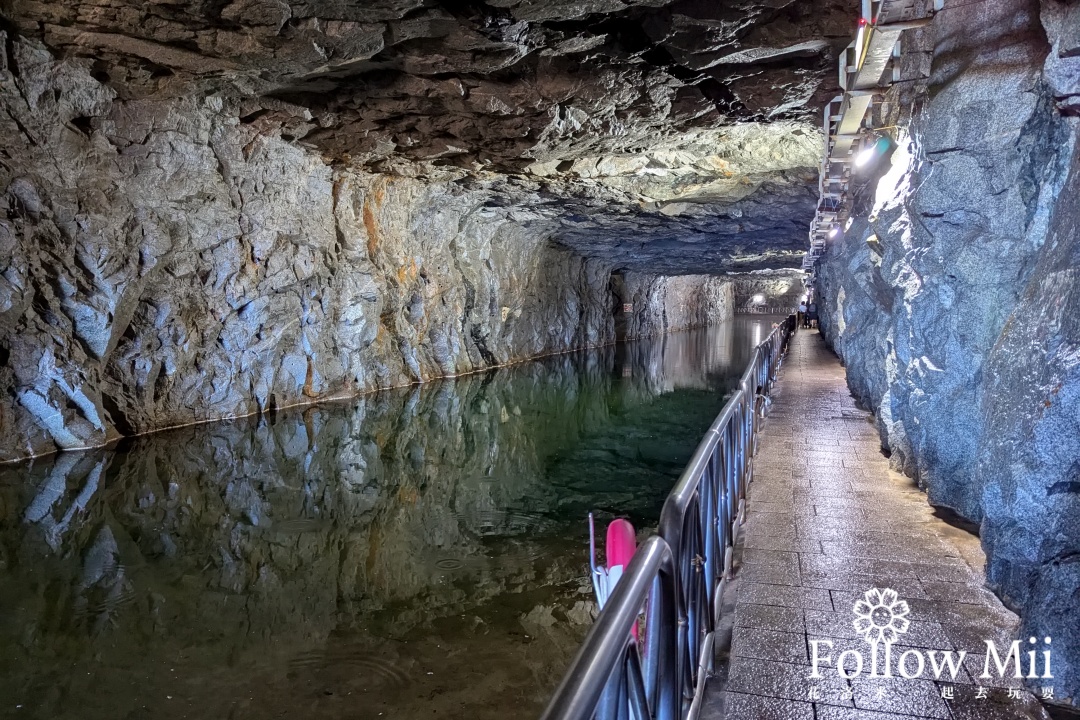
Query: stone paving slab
x=826 y=522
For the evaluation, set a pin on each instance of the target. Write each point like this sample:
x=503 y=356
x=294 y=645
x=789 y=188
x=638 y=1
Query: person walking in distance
x=802 y=319
x=811 y=314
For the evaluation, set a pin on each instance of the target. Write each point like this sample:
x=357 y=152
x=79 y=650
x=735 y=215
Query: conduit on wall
x=867 y=67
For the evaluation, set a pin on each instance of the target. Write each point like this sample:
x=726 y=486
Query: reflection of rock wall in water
x=226 y=536
x=698 y=360
x=665 y=304
x=372 y=517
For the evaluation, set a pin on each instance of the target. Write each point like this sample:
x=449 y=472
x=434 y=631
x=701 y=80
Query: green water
x=414 y=553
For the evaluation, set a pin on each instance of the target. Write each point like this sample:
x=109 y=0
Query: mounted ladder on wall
x=868 y=66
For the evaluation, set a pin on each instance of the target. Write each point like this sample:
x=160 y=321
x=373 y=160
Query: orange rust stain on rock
x=371 y=204
x=309 y=381
x=372 y=229
x=408 y=495
x=408 y=272
x=374 y=542
x=381 y=334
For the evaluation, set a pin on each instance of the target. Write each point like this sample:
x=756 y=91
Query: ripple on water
x=377 y=669
x=500 y=522
x=97 y=601
x=448 y=564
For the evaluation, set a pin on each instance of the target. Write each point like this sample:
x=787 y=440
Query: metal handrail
x=593 y=680
x=677 y=576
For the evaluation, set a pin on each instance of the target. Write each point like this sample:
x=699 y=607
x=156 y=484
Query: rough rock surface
x=505 y=83
x=668 y=304
x=780 y=289
x=217 y=209
x=952 y=301
x=675 y=136
x=176 y=266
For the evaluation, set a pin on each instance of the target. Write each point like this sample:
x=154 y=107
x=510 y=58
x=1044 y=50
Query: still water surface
x=417 y=553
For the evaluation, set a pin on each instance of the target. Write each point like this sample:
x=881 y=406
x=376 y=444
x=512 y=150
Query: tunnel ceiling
x=668 y=136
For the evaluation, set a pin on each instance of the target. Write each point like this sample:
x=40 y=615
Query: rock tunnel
x=215 y=210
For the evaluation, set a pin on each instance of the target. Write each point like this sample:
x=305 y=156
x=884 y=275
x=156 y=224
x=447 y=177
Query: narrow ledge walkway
x=826 y=522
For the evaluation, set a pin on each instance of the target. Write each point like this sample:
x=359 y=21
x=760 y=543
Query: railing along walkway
x=827 y=521
x=676 y=578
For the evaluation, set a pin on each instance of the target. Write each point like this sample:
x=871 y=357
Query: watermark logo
x=881 y=618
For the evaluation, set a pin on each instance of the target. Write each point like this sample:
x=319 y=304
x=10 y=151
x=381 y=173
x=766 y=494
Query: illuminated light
x=834 y=232
x=758 y=299
x=865 y=156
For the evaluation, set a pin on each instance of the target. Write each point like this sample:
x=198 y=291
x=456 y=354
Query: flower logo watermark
x=881 y=616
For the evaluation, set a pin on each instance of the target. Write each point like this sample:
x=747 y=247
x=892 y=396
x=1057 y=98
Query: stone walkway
x=826 y=522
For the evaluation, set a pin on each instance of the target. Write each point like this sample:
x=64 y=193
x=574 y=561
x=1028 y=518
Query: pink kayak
x=618 y=550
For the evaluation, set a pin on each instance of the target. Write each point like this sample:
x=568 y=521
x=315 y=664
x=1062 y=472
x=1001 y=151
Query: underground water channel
x=420 y=552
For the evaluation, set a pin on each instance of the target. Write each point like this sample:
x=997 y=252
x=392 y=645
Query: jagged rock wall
x=952 y=301
x=666 y=304
x=776 y=288
x=175 y=265
x=504 y=84
x=669 y=137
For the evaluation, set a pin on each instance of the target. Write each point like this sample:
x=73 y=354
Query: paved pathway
x=826 y=522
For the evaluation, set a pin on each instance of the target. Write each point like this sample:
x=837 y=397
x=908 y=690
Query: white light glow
x=834 y=232
x=865 y=156
x=758 y=299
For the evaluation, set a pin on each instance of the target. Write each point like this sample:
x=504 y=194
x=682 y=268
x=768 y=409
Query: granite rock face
x=951 y=300
x=218 y=209
x=780 y=289
x=183 y=268
x=677 y=137
x=176 y=266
